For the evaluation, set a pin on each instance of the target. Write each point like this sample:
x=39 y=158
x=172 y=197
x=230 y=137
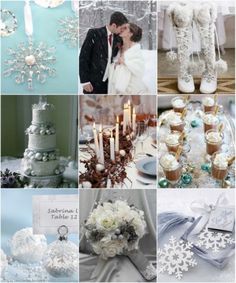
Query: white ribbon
x=28 y=19
x=200 y=207
x=75 y=6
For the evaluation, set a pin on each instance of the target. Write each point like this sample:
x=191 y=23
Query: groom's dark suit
x=94 y=56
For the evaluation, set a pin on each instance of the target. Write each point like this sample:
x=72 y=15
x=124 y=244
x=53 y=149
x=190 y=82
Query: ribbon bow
x=204 y=209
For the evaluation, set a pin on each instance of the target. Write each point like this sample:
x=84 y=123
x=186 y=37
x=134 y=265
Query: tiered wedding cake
x=41 y=159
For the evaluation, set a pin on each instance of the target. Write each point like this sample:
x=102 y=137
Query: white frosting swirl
x=168 y=161
x=210 y=119
x=221 y=160
x=172 y=139
x=214 y=137
x=174 y=119
x=178 y=103
x=208 y=101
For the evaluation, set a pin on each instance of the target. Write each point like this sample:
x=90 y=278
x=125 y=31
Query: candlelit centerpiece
x=111 y=152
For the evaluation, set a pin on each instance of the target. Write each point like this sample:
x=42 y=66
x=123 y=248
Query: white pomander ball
x=61 y=259
x=27 y=247
x=100 y=167
x=48 y=132
x=42 y=132
x=3 y=263
x=45 y=158
x=122 y=152
x=221 y=66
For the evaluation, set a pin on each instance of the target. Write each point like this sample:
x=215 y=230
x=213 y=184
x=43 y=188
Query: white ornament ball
x=27 y=171
x=30 y=60
x=122 y=152
x=45 y=158
x=57 y=172
x=99 y=167
x=48 y=132
x=3 y=263
x=33 y=173
x=38 y=156
x=87 y=185
x=25 y=154
x=32 y=157
x=27 y=247
x=52 y=156
x=61 y=259
x=42 y=132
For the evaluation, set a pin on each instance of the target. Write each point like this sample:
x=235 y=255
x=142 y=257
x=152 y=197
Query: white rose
x=107 y=221
x=109 y=248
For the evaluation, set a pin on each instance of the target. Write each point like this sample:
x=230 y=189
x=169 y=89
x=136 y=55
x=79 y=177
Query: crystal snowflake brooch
x=69 y=29
x=29 y=62
x=214 y=240
x=176 y=257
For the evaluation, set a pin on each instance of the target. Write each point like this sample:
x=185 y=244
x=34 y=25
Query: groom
x=100 y=46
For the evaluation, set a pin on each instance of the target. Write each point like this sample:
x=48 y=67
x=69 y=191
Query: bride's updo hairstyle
x=136 y=32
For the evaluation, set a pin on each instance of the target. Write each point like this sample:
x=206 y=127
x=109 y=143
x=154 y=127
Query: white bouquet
x=115 y=228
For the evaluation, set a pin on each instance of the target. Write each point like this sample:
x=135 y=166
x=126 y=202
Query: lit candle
x=112 y=148
x=95 y=140
x=101 y=155
x=117 y=134
x=125 y=118
x=134 y=120
x=129 y=113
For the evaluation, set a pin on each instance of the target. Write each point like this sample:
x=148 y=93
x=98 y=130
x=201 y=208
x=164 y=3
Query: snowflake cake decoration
x=69 y=29
x=176 y=257
x=29 y=62
x=214 y=240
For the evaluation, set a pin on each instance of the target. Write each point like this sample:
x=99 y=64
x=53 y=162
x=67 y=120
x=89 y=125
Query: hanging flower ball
x=27 y=247
x=87 y=185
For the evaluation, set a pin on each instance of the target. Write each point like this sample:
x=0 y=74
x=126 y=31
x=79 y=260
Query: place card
x=52 y=211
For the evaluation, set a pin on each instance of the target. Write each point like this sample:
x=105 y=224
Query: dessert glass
x=213 y=145
x=178 y=104
x=172 y=173
x=210 y=121
x=177 y=125
x=219 y=170
x=208 y=104
x=172 y=145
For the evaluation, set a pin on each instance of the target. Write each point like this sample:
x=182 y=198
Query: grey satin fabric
x=120 y=268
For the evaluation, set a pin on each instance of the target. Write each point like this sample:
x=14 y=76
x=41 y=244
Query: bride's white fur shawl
x=131 y=72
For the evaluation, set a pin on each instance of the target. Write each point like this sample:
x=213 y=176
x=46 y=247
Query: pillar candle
x=96 y=140
x=117 y=134
x=129 y=113
x=101 y=155
x=112 y=148
x=134 y=120
x=125 y=117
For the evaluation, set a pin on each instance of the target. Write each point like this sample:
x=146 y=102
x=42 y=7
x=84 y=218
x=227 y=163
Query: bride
x=127 y=70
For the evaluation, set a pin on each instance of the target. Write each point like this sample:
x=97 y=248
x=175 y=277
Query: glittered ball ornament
x=61 y=259
x=27 y=247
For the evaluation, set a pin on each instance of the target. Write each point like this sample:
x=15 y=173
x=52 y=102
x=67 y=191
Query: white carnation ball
x=122 y=152
x=27 y=247
x=99 y=167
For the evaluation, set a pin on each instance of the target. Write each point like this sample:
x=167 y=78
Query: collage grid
x=117 y=141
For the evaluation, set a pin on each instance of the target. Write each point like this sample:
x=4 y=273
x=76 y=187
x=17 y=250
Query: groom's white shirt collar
x=108 y=31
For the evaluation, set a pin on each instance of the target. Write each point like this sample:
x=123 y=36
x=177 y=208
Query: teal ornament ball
x=194 y=123
x=163 y=183
x=206 y=167
x=186 y=178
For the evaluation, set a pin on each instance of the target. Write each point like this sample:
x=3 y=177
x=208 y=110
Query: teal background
x=45 y=23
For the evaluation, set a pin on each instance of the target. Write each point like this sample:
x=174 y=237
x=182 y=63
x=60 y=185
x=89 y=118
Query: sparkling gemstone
x=206 y=167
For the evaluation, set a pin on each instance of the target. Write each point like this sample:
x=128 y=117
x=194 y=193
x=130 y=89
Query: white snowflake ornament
x=214 y=240
x=69 y=30
x=176 y=257
x=30 y=62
